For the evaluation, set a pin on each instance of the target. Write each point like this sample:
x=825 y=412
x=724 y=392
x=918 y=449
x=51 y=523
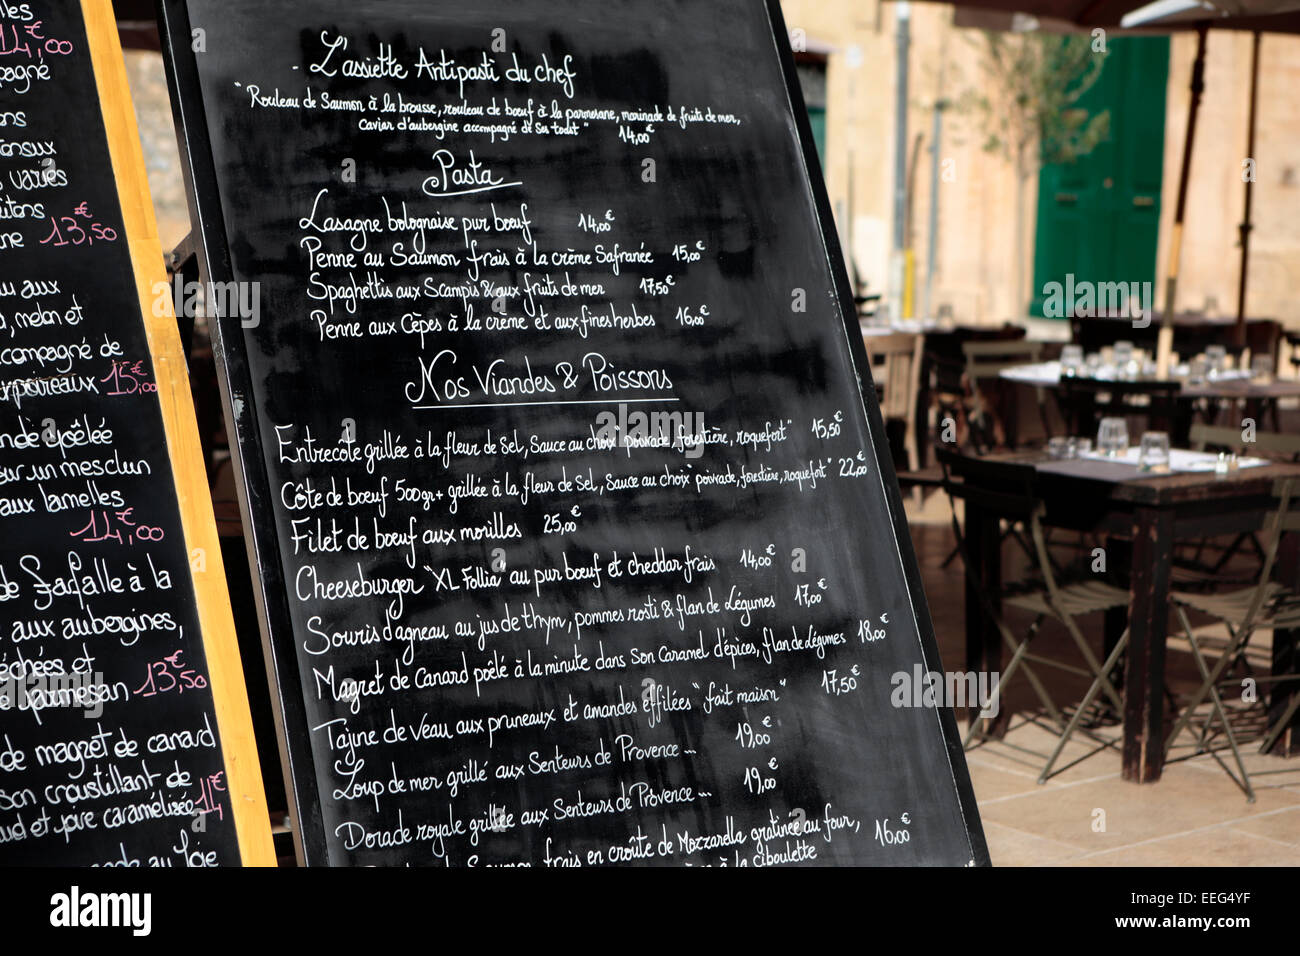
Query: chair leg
x=1093 y=664
x=974 y=729
x=1018 y=652
x=1088 y=698
x=1040 y=689
x=1042 y=412
x=1228 y=653
x=1223 y=716
x=1233 y=548
x=1281 y=724
x=909 y=444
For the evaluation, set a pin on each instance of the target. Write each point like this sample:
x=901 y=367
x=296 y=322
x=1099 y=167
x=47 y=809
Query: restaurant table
x=1249 y=389
x=1192 y=332
x=1235 y=383
x=1148 y=514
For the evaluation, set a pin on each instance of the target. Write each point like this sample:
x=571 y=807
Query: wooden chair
x=985 y=361
x=1293 y=340
x=1266 y=444
x=1265 y=338
x=945 y=388
x=1007 y=489
x=1086 y=401
x=896 y=368
x=1243 y=611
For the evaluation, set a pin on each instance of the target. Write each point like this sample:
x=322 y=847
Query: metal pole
x=932 y=237
x=1165 y=343
x=903 y=11
x=1239 y=333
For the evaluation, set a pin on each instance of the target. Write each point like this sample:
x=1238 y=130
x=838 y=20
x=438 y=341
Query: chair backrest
x=1264 y=338
x=1096 y=332
x=1284 y=519
x=896 y=364
x=1085 y=401
x=1002 y=488
x=1230 y=438
x=987 y=359
x=1287 y=492
x=947 y=362
x=1293 y=340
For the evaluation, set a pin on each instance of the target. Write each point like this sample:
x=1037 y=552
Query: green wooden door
x=1098 y=217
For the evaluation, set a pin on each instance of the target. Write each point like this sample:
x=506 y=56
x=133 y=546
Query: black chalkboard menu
x=577 y=539
x=124 y=730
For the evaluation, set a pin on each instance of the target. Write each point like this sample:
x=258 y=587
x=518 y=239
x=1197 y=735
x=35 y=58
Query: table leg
x=1119 y=563
x=1284 y=658
x=1144 y=681
x=983 y=640
x=1181 y=427
x=921 y=418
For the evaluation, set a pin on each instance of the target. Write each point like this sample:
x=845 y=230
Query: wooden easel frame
x=188 y=472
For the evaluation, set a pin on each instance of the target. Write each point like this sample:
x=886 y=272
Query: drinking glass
x=1262 y=368
x=1112 y=437
x=1153 y=454
x=1071 y=359
x=1058 y=448
x=1123 y=358
x=1216 y=360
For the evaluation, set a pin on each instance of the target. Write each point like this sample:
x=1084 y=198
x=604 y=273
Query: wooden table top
x=1234 y=385
x=1121 y=482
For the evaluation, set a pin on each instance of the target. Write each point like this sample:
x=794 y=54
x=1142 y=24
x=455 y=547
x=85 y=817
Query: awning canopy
x=1254 y=14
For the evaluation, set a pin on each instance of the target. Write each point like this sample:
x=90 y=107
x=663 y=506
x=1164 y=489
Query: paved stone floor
x=1085 y=815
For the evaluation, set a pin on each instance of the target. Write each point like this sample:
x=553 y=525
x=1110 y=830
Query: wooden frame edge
x=216 y=620
x=927 y=639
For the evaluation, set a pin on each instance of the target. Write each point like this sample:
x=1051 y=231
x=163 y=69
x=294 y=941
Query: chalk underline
x=470 y=192
x=576 y=401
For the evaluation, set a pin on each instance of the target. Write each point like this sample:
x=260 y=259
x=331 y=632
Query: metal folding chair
x=1243 y=611
x=1006 y=489
x=1275 y=445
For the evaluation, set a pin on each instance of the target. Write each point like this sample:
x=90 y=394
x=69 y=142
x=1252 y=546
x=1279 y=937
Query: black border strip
x=233 y=377
x=884 y=457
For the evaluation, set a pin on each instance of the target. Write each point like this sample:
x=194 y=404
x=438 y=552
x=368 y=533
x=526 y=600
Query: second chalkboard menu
x=576 y=538
x=125 y=738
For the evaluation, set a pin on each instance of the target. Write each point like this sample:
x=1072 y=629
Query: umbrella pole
x=1165 y=342
x=1239 y=334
